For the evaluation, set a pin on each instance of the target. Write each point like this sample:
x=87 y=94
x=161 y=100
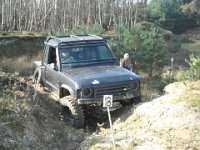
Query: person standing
x=126 y=62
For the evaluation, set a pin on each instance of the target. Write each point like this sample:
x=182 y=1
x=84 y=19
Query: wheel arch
x=37 y=75
x=65 y=90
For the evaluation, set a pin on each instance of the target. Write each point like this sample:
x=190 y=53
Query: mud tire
x=36 y=78
x=73 y=113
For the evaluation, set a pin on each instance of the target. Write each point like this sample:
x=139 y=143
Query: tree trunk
x=99 y=7
x=2 y=18
x=136 y=13
x=20 y=15
x=88 y=18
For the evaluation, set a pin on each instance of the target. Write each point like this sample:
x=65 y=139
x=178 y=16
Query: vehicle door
x=51 y=71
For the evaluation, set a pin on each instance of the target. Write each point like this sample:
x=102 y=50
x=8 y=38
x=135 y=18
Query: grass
x=4 y=35
x=191 y=95
x=22 y=65
x=13 y=103
x=149 y=90
x=14 y=108
x=12 y=113
x=193 y=47
x=153 y=88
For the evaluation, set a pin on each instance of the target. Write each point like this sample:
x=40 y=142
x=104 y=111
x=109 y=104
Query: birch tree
x=52 y=15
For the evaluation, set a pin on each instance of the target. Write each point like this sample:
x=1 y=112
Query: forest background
x=147 y=30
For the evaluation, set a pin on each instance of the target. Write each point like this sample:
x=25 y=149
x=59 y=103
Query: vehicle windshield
x=85 y=55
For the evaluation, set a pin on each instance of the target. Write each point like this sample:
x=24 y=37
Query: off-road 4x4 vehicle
x=80 y=78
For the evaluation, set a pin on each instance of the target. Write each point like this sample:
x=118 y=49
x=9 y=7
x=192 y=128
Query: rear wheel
x=73 y=113
x=36 y=76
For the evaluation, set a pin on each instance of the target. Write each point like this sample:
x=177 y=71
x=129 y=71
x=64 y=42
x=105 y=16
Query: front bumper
x=99 y=100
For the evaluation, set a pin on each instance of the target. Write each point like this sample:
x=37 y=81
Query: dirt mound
x=15 y=47
x=31 y=120
x=164 y=123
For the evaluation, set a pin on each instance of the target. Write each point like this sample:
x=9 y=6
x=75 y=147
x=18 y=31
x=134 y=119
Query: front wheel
x=73 y=113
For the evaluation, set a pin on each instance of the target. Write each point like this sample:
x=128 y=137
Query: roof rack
x=77 y=36
x=52 y=37
x=62 y=36
x=95 y=36
x=56 y=37
x=81 y=34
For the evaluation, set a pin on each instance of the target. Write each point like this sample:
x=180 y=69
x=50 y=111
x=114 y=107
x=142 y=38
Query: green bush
x=194 y=71
x=165 y=81
x=167 y=13
x=181 y=74
x=146 y=48
x=173 y=44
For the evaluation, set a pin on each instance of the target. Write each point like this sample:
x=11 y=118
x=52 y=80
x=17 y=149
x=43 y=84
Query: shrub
x=194 y=71
x=167 y=13
x=165 y=81
x=146 y=48
x=181 y=74
x=173 y=43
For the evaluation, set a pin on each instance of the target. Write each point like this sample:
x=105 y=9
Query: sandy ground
x=160 y=124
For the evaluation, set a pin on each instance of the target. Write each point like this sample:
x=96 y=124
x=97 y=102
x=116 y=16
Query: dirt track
x=160 y=124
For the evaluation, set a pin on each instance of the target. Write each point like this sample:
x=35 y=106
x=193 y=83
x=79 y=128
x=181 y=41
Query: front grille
x=115 y=90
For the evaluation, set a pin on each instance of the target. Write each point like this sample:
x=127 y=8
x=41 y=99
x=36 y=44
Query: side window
x=45 y=55
x=49 y=55
x=104 y=52
x=52 y=55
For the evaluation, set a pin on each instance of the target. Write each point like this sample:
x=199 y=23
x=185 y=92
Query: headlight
x=86 y=92
x=135 y=86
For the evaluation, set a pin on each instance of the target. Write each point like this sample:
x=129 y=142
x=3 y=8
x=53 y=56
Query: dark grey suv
x=79 y=69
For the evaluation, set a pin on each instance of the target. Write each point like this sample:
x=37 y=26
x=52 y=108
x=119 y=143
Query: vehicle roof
x=56 y=40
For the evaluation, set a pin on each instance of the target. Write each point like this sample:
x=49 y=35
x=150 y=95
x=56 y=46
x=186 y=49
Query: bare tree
x=136 y=13
x=38 y=15
x=2 y=15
